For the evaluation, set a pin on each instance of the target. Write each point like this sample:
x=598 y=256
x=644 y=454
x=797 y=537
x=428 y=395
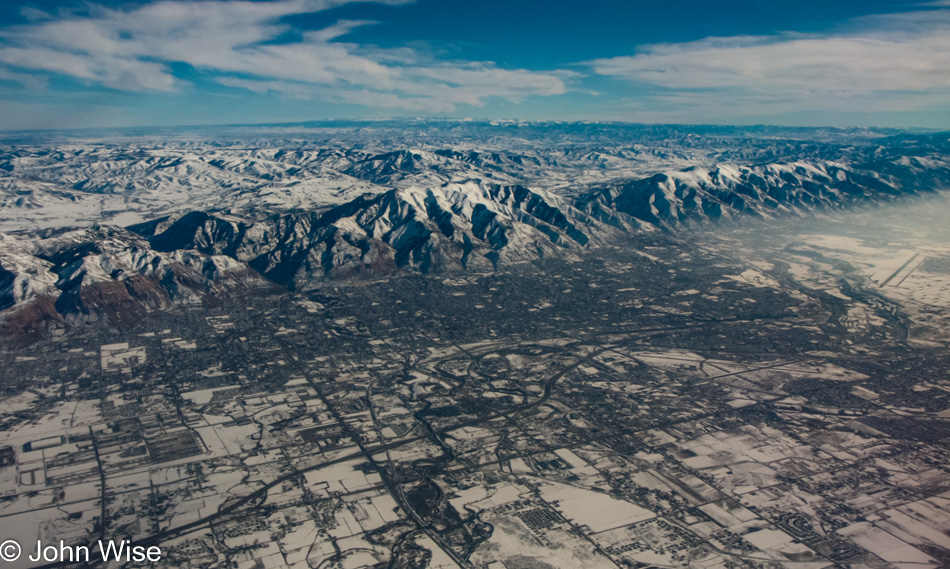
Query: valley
x=672 y=362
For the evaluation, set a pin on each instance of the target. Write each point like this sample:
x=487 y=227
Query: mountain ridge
x=457 y=226
x=374 y=212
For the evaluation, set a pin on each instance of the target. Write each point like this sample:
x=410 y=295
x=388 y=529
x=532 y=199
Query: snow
x=595 y=510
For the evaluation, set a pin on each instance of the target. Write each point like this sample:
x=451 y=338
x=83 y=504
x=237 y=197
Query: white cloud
x=236 y=43
x=899 y=61
x=27 y=80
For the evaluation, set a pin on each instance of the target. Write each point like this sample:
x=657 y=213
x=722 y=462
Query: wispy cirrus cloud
x=243 y=44
x=890 y=61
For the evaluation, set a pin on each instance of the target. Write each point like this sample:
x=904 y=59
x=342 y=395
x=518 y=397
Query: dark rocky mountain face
x=469 y=225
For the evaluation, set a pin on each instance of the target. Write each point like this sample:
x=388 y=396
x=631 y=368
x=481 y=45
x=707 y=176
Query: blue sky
x=182 y=62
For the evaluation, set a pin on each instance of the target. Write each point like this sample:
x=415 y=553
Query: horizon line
x=469 y=120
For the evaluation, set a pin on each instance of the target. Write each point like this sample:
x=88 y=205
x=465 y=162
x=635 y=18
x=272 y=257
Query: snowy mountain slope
x=40 y=188
x=78 y=183
x=472 y=225
x=697 y=194
x=23 y=276
x=105 y=274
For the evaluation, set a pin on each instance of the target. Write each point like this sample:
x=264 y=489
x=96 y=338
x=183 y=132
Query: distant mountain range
x=215 y=219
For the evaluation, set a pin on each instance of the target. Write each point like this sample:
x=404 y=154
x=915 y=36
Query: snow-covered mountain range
x=108 y=228
x=469 y=225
